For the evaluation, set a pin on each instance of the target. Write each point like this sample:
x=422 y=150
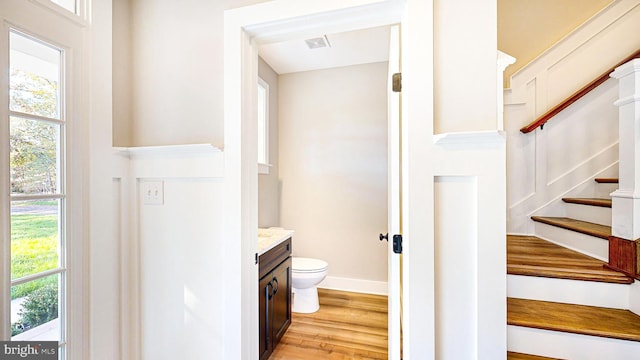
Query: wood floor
x=531 y=256
x=347 y=326
x=578 y=319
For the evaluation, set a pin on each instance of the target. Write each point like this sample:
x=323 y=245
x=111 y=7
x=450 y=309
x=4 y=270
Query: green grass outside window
x=34 y=248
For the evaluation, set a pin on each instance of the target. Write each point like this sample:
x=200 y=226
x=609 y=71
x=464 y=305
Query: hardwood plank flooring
x=577 y=319
x=519 y=356
x=580 y=226
x=347 y=326
x=531 y=256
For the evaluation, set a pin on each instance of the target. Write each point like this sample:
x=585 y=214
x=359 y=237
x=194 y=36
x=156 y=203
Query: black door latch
x=397 y=244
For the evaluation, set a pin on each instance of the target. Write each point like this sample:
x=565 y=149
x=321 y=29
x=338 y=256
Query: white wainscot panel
x=182 y=275
x=173 y=251
x=456 y=287
x=582 y=132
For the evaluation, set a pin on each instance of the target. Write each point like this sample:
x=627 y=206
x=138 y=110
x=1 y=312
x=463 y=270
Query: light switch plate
x=152 y=192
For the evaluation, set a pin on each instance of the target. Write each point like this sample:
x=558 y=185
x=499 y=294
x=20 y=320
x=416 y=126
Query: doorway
x=240 y=116
x=331 y=168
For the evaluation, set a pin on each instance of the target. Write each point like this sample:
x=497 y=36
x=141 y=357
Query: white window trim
x=82 y=16
x=61 y=195
x=50 y=23
x=263 y=168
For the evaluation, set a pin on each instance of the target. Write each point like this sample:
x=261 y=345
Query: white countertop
x=271 y=237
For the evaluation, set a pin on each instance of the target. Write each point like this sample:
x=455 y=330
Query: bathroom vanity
x=274 y=287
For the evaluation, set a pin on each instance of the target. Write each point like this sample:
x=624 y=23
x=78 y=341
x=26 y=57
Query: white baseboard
x=355 y=285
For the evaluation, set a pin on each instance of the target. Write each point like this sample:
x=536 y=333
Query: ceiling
x=526 y=28
x=294 y=55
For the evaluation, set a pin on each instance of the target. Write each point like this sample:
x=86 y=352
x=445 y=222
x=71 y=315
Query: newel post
x=625 y=229
x=502 y=62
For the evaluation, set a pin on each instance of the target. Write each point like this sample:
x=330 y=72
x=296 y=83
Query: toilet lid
x=300 y=264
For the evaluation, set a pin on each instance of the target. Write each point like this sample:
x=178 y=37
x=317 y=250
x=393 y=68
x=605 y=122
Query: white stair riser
x=589 y=293
x=595 y=214
x=586 y=244
x=569 y=346
x=603 y=190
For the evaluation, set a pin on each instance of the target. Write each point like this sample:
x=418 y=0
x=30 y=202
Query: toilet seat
x=308 y=265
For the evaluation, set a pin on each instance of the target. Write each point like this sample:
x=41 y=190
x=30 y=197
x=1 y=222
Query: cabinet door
x=281 y=302
x=264 y=290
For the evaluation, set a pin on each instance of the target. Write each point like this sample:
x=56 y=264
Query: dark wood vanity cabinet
x=274 y=288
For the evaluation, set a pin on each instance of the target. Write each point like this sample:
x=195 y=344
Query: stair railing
x=540 y=121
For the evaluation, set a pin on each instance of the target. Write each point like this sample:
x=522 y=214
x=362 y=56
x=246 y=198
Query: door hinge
x=396 y=82
x=397 y=244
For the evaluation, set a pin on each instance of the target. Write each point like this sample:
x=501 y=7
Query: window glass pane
x=67 y=4
x=34 y=240
x=34 y=314
x=262 y=124
x=34 y=156
x=34 y=77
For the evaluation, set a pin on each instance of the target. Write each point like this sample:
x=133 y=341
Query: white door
x=394 y=189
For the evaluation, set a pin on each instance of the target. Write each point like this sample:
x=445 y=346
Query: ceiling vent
x=318 y=42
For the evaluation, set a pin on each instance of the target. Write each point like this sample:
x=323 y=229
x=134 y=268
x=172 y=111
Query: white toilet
x=306 y=274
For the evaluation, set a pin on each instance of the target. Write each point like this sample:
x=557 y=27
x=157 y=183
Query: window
x=38 y=230
x=67 y=4
x=263 y=127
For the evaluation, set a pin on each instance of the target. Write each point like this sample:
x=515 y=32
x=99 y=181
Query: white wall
x=269 y=184
x=464 y=65
x=333 y=167
x=177 y=71
x=581 y=142
x=122 y=63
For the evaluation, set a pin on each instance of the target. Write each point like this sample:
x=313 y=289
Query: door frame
x=245 y=29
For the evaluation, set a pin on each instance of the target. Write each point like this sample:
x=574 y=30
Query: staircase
x=563 y=302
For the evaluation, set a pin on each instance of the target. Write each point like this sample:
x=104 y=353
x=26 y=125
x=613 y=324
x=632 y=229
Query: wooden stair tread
x=577 y=319
x=589 y=201
x=532 y=256
x=606 y=180
x=597 y=230
x=520 y=356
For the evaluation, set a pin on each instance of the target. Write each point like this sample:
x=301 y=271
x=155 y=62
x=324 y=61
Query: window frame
x=59 y=195
x=81 y=16
x=263 y=166
x=45 y=24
